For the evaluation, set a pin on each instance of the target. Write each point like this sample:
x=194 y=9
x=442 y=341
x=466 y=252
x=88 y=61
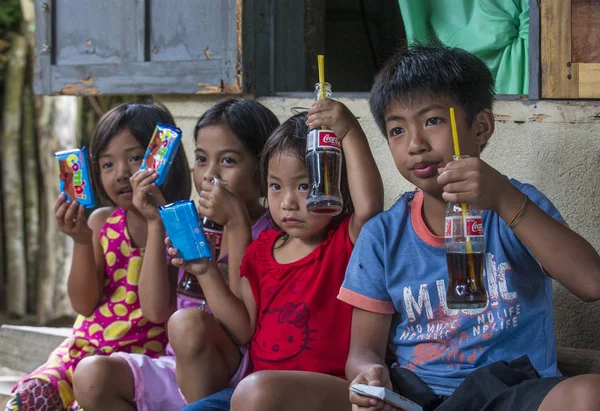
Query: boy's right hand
x=71 y=220
x=146 y=195
x=377 y=375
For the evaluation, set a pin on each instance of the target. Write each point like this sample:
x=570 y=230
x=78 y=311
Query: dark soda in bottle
x=324 y=162
x=465 y=257
x=189 y=287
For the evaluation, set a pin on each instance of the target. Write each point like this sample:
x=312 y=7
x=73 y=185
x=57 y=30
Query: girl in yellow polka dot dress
x=107 y=258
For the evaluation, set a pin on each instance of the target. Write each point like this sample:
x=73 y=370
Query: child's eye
x=434 y=121
x=200 y=159
x=396 y=131
x=228 y=161
x=303 y=187
x=275 y=187
x=107 y=165
x=135 y=159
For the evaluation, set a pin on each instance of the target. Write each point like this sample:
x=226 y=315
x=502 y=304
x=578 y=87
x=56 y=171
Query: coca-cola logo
x=328 y=139
x=477 y=228
x=474 y=227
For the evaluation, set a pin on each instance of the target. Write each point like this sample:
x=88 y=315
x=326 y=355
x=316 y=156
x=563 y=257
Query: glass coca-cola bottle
x=465 y=256
x=189 y=287
x=324 y=162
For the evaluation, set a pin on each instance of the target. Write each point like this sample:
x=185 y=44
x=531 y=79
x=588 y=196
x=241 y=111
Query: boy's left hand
x=473 y=181
x=334 y=115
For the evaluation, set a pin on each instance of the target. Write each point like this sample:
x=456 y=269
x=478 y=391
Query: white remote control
x=387 y=396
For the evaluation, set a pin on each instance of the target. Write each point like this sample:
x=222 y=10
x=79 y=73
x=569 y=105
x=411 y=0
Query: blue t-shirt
x=399 y=267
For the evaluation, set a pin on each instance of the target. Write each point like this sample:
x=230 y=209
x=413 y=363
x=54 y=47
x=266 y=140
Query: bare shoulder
x=99 y=216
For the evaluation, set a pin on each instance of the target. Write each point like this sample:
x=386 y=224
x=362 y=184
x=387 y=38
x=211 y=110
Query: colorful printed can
x=74 y=174
x=162 y=150
x=183 y=228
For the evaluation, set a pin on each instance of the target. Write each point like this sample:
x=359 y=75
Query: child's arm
x=237 y=315
x=157 y=278
x=86 y=277
x=366 y=359
x=364 y=180
x=566 y=256
x=225 y=208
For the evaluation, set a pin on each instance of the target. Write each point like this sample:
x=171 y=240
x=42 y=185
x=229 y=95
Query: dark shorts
x=219 y=401
x=499 y=386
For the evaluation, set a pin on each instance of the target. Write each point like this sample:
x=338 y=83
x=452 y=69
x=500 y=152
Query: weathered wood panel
x=56 y=131
x=136 y=47
x=589 y=79
x=559 y=80
x=31 y=189
x=585 y=31
x=12 y=182
x=98 y=32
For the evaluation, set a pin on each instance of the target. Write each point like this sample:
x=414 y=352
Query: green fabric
x=494 y=30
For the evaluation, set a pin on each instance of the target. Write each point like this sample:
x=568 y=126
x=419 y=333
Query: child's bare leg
x=206 y=357
x=104 y=383
x=291 y=390
x=576 y=393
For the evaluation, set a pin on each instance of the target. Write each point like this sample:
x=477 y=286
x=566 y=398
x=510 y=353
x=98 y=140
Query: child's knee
x=578 y=393
x=190 y=330
x=254 y=392
x=90 y=379
x=586 y=392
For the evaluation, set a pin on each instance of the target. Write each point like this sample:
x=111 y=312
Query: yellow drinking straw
x=457 y=155
x=321 y=64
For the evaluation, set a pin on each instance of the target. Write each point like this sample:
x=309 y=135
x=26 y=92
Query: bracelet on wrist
x=519 y=215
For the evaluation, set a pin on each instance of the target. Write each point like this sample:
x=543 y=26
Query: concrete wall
x=552 y=145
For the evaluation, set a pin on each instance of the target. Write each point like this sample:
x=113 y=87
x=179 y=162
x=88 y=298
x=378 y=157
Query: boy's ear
x=484 y=121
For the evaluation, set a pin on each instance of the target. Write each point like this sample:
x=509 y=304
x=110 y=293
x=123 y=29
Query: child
x=107 y=258
x=287 y=310
x=472 y=359
x=229 y=138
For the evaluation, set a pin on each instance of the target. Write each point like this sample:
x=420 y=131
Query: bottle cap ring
x=218 y=181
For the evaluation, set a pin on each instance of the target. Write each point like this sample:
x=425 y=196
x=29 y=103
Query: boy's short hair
x=430 y=70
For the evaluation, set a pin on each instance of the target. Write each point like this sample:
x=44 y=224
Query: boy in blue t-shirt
x=490 y=358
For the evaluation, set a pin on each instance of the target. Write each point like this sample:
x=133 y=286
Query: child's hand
x=473 y=181
x=218 y=203
x=334 y=115
x=71 y=220
x=198 y=267
x=146 y=195
x=377 y=375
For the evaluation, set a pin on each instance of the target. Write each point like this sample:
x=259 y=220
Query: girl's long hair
x=140 y=120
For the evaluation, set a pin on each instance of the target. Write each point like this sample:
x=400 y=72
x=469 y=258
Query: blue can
x=183 y=228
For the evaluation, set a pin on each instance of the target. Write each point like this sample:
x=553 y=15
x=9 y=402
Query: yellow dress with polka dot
x=117 y=324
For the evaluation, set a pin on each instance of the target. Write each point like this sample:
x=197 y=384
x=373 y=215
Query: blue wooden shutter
x=88 y=47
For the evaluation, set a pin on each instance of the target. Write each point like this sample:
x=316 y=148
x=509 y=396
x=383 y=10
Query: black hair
x=140 y=120
x=428 y=71
x=249 y=120
x=290 y=139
